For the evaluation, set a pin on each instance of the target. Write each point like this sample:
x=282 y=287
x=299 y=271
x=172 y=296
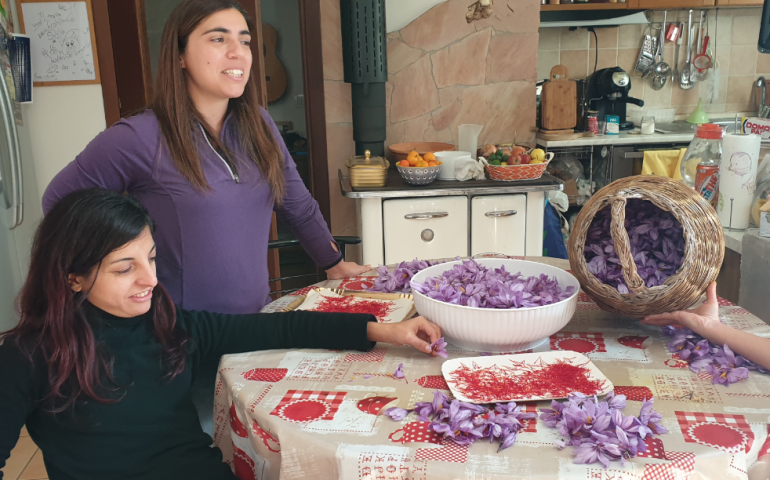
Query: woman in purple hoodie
x=210 y=165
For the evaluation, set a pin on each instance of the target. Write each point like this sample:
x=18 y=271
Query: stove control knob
x=427 y=235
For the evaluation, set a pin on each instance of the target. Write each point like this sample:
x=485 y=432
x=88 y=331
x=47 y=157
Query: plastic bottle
x=705 y=147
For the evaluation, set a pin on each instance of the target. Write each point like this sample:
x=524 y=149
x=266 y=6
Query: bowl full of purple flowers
x=495 y=305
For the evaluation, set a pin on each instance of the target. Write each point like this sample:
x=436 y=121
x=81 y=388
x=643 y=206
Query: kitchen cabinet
x=433 y=227
x=498 y=224
x=448 y=218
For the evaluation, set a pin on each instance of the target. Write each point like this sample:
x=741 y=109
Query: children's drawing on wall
x=61 y=41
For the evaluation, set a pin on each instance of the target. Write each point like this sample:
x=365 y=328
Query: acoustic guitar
x=275 y=73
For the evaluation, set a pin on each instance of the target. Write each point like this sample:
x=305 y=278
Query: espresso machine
x=608 y=94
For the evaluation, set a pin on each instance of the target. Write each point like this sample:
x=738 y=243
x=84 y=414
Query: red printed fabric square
x=433 y=382
x=725 y=432
x=578 y=342
x=376 y=355
x=357 y=283
x=266 y=374
x=636 y=394
x=449 y=452
x=681 y=467
x=531 y=424
x=302 y=406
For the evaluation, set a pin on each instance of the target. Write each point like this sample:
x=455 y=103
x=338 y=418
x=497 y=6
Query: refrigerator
x=20 y=205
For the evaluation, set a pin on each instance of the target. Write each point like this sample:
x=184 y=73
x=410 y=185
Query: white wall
x=400 y=13
x=284 y=16
x=61 y=122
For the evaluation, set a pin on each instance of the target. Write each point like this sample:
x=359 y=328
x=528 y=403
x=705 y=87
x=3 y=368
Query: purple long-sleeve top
x=211 y=246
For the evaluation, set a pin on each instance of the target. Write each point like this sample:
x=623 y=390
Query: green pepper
x=499 y=153
x=505 y=157
x=496 y=161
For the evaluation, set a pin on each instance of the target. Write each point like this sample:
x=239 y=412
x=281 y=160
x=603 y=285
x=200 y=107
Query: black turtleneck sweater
x=153 y=431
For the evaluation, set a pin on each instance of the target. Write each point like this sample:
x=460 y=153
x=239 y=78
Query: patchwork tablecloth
x=314 y=414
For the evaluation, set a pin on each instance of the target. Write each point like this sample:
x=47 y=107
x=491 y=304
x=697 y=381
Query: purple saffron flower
x=439 y=347
x=508 y=440
x=727 y=375
x=396 y=413
x=399 y=373
x=615 y=402
x=650 y=419
x=552 y=416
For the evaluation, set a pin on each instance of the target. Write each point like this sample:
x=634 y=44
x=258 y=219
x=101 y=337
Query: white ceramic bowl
x=497 y=330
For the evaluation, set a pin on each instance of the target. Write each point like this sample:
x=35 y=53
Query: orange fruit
x=404 y=163
x=429 y=157
x=422 y=164
x=413 y=161
x=431 y=164
x=413 y=153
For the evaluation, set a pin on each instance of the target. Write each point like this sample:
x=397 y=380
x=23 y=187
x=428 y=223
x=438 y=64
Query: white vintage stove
x=449 y=218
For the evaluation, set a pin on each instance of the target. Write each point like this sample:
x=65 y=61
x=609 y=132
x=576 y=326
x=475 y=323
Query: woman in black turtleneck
x=100 y=366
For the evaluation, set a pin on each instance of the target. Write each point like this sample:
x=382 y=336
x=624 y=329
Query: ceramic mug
x=448 y=161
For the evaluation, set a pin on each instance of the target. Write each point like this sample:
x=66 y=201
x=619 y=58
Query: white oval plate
x=529 y=358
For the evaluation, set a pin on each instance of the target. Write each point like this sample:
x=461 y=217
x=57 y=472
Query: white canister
x=448 y=161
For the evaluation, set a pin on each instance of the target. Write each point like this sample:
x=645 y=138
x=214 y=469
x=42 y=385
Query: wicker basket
x=703 y=255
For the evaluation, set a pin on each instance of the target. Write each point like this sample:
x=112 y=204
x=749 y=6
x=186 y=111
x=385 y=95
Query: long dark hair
x=178 y=116
x=75 y=236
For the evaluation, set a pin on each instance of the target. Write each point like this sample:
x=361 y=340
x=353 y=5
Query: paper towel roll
x=737 y=179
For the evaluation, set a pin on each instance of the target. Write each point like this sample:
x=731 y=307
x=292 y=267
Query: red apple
x=525 y=159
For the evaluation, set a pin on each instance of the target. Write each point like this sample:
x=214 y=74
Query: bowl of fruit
x=508 y=163
x=417 y=169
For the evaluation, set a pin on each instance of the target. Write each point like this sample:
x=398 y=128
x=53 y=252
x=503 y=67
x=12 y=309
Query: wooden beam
x=106 y=61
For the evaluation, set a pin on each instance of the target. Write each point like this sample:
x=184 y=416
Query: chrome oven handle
x=425 y=216
x=504 y=213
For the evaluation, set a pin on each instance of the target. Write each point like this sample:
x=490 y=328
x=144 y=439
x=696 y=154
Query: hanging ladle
x=662 y=69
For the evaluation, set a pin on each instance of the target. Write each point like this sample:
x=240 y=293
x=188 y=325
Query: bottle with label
x=707 y=180
x=706 y=147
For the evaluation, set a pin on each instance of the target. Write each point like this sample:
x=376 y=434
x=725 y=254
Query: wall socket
x=299 y=100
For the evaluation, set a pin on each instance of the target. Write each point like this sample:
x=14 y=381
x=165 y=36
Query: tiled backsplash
x=736 y=54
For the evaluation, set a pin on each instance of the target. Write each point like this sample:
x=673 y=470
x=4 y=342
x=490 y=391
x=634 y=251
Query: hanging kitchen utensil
x=715 y=74
x=662 y=69
x=677 y=48
x=685 y=81
x=694 y=71
x=647 y=53
x=702 y=62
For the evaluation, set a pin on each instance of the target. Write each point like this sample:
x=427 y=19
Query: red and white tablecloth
x=315 y=414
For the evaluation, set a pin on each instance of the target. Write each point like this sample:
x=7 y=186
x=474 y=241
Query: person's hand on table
x=698 y=319
x=418 y=332
x=704 y=321
x=346 y=270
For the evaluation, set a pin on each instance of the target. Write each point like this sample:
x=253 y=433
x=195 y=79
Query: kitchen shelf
x=584 y=6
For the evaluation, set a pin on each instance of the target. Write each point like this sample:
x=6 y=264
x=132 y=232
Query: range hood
x=592 y=18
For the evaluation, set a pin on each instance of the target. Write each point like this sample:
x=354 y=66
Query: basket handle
x=623 y=246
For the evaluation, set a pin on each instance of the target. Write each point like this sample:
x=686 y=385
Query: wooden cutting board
x=559 y=101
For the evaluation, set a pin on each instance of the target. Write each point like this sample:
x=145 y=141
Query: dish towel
x=665 y=163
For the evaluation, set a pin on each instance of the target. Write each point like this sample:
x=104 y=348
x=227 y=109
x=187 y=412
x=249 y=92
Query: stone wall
x=442 y=72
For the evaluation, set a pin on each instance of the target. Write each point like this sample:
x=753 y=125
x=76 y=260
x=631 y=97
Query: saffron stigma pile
x=523 y=381
x=473 y=285
x=596 y=431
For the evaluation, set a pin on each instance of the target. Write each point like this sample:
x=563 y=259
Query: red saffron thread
x=522 y=381
x=354 y=305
